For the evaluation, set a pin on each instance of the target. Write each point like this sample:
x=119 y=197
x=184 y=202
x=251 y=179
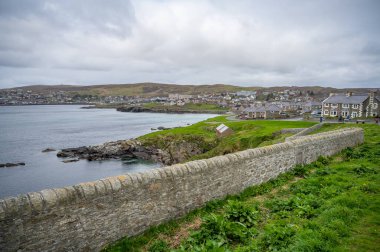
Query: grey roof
x=312 y=103
x=263 y=108
x=378 y=98
x=341 y=98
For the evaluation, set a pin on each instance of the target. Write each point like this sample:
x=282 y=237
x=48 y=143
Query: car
x=316 y=113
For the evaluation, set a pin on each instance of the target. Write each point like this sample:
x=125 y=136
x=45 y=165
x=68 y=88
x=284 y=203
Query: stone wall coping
x=50 y=198
x=304 y=132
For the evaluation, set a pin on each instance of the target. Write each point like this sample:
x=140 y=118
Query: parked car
x=316 y=113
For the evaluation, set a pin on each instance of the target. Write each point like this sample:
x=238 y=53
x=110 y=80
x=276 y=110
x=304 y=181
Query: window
x=326 y=104
x=345 y=113
x=334 y=105
x=354 y=114
x=333 y=113
x=344 y=105
x=326 y=112
x=355 y=106
x=375 y=105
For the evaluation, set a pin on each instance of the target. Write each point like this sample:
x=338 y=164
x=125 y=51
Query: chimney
x=348 y=94
x=331 y=94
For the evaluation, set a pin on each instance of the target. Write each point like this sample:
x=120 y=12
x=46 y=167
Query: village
x=245 y=104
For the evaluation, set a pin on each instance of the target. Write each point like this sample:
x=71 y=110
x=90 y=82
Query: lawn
x=199 y=107
x=330 y=205
x=247 y=134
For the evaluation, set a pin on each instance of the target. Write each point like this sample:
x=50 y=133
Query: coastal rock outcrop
x=174 y=152
x=135 y=109
x=122 y=149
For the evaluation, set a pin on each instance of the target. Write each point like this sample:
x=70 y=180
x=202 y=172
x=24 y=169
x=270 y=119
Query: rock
x=109 y=150
x=70 y=160
x=135 y=109
x=153 y=129
x=48 y=150
x=163 y=128
x=12 y=164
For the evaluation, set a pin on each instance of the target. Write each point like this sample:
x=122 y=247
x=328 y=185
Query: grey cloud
x=330 y=42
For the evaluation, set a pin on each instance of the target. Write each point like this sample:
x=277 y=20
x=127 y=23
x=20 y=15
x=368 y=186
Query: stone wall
x=87 y=216
x=304 y=132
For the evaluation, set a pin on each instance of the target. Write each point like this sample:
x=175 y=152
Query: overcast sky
x=251 y=43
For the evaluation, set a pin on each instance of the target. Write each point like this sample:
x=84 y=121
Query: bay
x=27 y=130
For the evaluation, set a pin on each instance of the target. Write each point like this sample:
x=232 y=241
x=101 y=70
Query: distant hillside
x=140 y=89
x=157 y=89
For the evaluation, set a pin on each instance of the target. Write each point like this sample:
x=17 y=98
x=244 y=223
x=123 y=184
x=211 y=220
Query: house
x=346 y=105
x=263 y=112
x=180 y=103
x=311 y=106
x=222 y=130
x=373 y=107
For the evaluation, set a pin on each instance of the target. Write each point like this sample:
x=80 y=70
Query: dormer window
x=355 y=106
x=345 y=105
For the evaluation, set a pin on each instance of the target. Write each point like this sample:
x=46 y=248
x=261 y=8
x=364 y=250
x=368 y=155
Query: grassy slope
x=247 y=134
x=186 y=107
x=330 y=205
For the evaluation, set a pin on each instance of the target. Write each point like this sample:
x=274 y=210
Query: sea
x=27 y=130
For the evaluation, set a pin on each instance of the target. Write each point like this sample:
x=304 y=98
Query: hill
x=138 y=89
x=159 y=89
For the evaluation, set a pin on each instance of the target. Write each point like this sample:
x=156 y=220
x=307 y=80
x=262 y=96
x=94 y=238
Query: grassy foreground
x=247 y=134
x=332 y=204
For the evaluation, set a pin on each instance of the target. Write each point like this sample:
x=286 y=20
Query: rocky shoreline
x=139 y=109
x=123 y=149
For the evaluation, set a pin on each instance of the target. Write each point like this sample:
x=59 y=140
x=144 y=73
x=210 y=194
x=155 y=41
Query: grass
x=247 y=134
x=199 y=107
x=330 y=205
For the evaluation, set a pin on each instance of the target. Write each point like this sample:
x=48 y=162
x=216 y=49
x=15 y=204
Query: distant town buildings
x=252 y=104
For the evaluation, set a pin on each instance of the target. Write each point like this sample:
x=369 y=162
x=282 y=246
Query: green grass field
x=201 y=107
x=330 y=205
x=247 y=134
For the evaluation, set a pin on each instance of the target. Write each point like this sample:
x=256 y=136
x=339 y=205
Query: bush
x=363 y=170
x=239 y=212
x=277 y=237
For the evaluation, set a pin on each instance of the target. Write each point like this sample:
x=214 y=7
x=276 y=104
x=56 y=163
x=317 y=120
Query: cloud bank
x=252 y=43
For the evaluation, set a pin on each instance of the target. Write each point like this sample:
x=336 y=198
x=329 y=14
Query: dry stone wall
x=304 y=132
x=87 y=216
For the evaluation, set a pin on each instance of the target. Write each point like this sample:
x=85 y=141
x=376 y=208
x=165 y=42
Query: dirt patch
x=183 y=233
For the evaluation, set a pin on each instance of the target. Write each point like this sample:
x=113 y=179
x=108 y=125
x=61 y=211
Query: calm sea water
x=26 y=130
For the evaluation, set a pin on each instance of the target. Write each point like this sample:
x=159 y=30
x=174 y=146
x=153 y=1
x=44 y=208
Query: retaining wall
x=87 y=216
x=304 y=132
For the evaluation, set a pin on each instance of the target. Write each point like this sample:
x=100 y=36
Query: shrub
x=239 y=212
x=277 y=237
x=363 y=170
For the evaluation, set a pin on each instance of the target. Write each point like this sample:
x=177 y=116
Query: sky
x=248 y=43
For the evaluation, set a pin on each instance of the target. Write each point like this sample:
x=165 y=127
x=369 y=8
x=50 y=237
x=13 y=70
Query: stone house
x=352 y=105
x=311 y=106
x=263 y=112
x=373 y=107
